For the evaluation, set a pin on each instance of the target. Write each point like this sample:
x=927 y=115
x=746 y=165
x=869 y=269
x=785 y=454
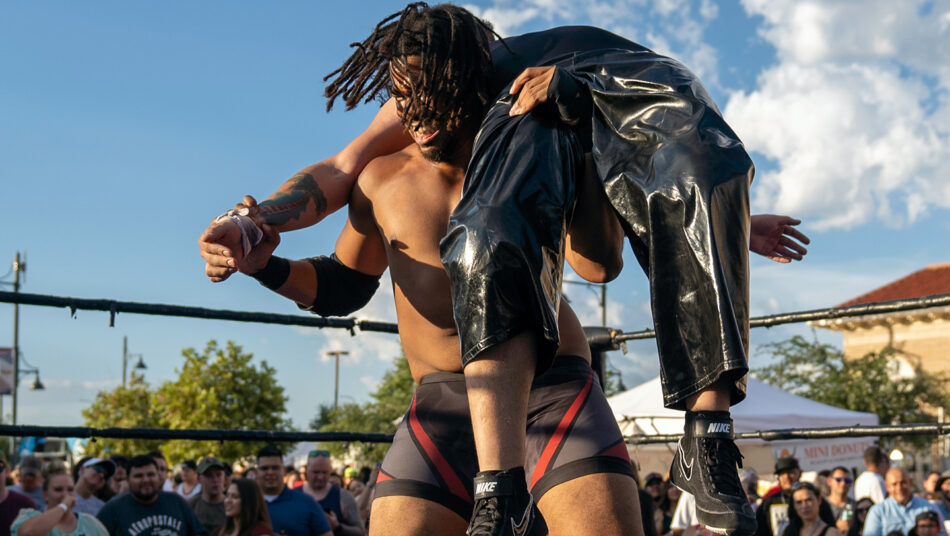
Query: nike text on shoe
x=705 y=464
x=503 y=506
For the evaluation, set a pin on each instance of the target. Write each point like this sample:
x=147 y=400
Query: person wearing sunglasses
x=803 y=518
x=842 y=506
x=861 y=508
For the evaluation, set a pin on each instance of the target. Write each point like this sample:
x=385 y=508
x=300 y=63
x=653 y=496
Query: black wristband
x=338 y=530
x=274 y=274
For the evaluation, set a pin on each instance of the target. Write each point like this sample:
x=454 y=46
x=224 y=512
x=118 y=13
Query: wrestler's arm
x=308 y=196
x=359 y=247
x=594 y=246
x=318 y=190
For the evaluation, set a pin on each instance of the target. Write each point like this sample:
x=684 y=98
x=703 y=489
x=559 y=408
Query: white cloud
x=854 y=114
x=671 y=27
x=365 y=346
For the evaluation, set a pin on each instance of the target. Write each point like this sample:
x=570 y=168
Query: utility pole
x=125 y=357
x=17 y=268
x=336 y=375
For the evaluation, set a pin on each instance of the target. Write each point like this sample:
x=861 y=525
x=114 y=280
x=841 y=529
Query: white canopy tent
x=640 y=411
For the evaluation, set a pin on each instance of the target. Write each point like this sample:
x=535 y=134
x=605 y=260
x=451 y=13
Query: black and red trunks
x=571 y=433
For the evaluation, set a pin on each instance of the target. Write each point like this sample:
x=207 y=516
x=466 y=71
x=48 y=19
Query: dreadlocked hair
x=453 y=84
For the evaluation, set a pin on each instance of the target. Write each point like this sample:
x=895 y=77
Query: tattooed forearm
x=292 y=200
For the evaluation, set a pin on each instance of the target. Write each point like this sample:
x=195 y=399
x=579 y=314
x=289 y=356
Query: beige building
x=921 y=337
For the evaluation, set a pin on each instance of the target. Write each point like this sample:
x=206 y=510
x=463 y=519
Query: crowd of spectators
x=140 y=496
x=881 y=501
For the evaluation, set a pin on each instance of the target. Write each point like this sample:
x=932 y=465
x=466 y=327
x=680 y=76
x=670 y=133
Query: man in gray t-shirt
x=146 y=511
x=209 y=504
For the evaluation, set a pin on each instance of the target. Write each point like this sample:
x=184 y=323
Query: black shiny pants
x=678 y=179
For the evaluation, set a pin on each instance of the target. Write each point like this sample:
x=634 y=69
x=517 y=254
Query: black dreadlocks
x=453 y=83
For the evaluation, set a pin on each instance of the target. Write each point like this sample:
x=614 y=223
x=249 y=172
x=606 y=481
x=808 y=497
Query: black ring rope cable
x=888 y=430
x=114 y=307
x=830 y=313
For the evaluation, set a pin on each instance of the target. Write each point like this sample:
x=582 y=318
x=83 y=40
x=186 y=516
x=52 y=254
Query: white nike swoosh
x=686 y=467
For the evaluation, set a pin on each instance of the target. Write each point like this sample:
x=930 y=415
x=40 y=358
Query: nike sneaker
x=705 y=465
x=503 y=506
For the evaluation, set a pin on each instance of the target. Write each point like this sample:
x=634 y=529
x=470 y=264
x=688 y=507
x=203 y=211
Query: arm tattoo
x=290 y=202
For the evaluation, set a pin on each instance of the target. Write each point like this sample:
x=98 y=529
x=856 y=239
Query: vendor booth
x=640 y=411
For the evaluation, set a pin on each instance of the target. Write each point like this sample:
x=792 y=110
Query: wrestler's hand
x=531 y=86
x=774 y=237
x=220 y=247
x=261 y=253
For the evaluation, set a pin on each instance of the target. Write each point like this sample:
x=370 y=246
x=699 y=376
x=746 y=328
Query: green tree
x=220 y=388
x=217 y=388
x=381 y=415
x=871 y=383
x=125 y=407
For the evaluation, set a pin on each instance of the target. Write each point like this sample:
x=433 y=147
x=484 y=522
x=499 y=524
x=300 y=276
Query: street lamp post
x=125 y=359
x=17 y=268
x=336 y=375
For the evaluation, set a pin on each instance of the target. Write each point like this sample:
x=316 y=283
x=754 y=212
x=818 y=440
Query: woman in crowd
x=861 y=508
x=247 y=513
x=671 y=495
x=59 y=518
x=803 y=517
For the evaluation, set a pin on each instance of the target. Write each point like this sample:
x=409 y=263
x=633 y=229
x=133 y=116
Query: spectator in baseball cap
x=93 y=475
x=31 y=480
x=209 y=504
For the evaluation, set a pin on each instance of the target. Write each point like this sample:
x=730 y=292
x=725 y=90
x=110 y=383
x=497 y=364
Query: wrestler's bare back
x=399 y=211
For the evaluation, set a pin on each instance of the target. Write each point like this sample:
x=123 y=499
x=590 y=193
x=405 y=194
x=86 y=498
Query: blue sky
x=124 y=128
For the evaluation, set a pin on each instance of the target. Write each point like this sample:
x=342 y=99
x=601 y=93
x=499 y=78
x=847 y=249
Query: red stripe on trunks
x=448 y=474
x=561 y=430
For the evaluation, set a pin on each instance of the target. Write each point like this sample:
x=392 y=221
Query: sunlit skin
x=930 y=483
x=899 y=485
x=318 y=473
x=787 y=479
x=60 y=490
x=144 y=484
x=806 y=505
x=840 y=483
x=270 y=475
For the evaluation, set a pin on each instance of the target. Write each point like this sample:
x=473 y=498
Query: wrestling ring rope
x=601 y=339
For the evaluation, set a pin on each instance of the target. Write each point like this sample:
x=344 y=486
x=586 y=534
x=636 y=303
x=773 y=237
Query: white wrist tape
x=251 y=234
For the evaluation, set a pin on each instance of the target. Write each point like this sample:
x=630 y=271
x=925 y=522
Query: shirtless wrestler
x=305 y=191
x=576 y=461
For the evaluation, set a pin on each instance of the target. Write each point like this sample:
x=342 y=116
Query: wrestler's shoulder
x=389 y=170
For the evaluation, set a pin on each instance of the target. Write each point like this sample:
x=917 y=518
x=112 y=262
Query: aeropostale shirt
x=167 y=516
